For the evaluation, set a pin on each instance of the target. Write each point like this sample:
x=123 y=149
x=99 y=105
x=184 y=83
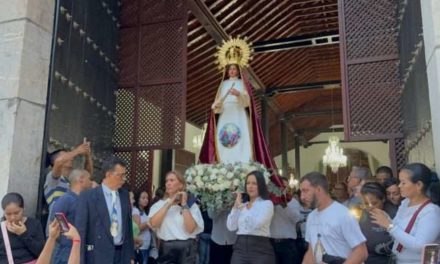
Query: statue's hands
x=216 y=105
x=234 y=92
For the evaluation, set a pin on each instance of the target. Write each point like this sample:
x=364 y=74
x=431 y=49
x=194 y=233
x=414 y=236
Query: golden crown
x=234 y=51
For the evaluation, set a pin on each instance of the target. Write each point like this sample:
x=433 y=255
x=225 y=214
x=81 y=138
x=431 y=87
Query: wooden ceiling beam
x=272 y=60
x=271 y=91
x=204 y=44
x=297 y=69
x=212 y=81
x=207 y=19
x=286 y=21
x=260 y=12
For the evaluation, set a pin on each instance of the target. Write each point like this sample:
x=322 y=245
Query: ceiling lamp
x=292 y=181
x=334 y=156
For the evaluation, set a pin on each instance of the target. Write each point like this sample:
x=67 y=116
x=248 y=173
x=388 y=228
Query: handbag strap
x=7 y=243
x=412 y=221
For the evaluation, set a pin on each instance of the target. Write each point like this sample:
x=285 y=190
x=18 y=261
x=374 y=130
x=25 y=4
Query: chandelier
x=334 y=156
x=198 y=139
x=292 y=181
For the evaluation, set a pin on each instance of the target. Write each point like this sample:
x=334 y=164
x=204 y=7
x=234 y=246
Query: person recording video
x=251 y=217
x=177 y=220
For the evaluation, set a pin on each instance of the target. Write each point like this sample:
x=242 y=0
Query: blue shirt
x=67 y=205
x=117 y=240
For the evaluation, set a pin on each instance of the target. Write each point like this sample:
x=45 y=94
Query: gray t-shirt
x=339 y=231
x=54 y=188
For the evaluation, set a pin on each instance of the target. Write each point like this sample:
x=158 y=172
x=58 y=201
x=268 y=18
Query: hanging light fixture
x=292 y=181
x=334 y=155
x=198 y=139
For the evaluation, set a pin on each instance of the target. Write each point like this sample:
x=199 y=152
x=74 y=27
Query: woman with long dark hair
x=252 y=221
x=140 y=217
x=416 y=221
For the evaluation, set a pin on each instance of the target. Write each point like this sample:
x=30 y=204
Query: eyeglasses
x=123 y=174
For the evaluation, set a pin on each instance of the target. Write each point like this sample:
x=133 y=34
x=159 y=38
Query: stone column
x=431 y=36
x=25 y=46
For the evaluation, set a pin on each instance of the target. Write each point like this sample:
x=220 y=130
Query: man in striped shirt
x=57 y=183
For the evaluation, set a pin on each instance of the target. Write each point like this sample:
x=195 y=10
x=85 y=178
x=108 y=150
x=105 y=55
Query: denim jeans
x=141 y=256
x=204 y=241
x=60 y=254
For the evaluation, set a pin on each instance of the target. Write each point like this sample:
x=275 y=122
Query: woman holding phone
x=177 y=220
x=416 y=221
x=252 y=220
x=22 y=236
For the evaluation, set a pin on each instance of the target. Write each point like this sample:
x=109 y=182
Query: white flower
x=191 y=188
x=236 y=182
x=213 y=177
x=200 y=184
x=214 y=182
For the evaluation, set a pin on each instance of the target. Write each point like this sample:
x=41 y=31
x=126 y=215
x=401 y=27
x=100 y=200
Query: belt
x=177 y=240
x=118 y=247
x=279 y=240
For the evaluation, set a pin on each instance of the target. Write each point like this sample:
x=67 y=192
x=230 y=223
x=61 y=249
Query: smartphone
x=245 y=198
x=64 y=225
x=178 y=198
x=430 y=254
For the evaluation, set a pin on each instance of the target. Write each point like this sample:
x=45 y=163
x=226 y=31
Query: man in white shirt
x=331 y=231
x=283 y=230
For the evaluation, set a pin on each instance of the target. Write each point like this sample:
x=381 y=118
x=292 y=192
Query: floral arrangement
x=215 y=183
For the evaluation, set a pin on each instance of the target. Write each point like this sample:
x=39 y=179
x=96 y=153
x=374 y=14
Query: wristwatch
x=184 y=207
x=390 y=226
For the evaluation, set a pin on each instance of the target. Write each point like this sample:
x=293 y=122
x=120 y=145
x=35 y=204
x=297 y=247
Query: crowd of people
x=365 y=219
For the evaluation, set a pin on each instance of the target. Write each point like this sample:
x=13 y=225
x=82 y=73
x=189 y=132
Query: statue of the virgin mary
x=234 y=132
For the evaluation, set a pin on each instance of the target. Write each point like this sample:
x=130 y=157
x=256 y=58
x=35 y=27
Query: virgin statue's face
x=233 y=71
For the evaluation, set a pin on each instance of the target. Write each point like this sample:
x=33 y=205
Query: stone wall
x=25 y=46
x=431 y=36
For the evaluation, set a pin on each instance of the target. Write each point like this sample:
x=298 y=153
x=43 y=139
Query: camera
x=178 y=198
x=245 y=198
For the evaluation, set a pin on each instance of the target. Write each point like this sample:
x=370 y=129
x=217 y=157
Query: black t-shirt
x=378 y=240
x=27 y=246
x=390 y=209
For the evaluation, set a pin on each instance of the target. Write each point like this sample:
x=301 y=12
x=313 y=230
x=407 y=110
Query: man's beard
x=314 y=202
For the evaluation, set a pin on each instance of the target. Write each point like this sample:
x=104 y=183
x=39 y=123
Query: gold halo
x=234 y=51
